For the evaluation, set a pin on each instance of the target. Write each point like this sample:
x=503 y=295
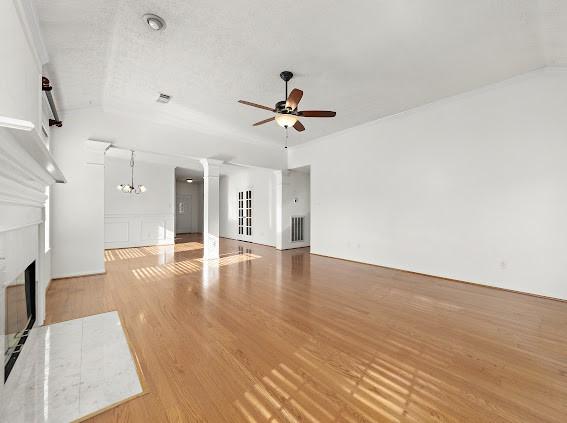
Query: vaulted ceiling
x=365 y=59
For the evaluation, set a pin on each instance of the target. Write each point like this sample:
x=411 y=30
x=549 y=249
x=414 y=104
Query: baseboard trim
x=78 y=275
x=482 y=285
x=248 y=242
x=123 y=247
x=294 y=248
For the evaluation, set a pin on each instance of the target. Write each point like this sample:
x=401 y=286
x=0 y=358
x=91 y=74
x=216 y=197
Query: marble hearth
x=70 y=370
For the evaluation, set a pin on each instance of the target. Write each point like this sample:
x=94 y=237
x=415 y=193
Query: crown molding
x=30 y=26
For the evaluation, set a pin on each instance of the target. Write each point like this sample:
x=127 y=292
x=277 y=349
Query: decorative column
x=211 y=208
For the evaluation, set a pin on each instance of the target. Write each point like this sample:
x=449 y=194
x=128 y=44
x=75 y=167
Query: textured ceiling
x=554 y=32
x=365 y=60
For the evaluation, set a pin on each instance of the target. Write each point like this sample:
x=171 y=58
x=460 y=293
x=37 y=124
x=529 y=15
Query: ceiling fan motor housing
x=280 y=107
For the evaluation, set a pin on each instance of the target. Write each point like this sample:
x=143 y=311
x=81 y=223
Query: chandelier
x=131 y=188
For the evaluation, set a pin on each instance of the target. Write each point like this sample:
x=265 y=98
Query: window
x=245 y=213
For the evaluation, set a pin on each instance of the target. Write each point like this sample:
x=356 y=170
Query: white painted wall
x=473 y=187
x=262 y=183
x=20 y=81
x=133 y=220
x=195 y=190
x=77 y=207
x=292 y=200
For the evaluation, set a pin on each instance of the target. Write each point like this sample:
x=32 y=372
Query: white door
x=183 y=221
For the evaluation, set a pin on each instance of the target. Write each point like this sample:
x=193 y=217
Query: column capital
x=211 y=167
x=96 y=150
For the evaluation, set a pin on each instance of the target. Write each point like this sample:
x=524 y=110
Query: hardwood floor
x=268 y=336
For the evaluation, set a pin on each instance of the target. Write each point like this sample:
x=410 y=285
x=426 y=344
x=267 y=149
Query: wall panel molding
x=137 y=230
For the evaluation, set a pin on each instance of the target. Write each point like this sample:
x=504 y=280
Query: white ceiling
x=365 y=60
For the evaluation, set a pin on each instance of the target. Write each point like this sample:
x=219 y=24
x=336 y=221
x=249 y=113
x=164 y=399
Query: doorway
x=189 y=200
x=183 y=214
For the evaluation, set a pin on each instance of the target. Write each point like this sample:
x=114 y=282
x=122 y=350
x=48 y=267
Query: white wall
x=292 y=200
x=473 y=187
x=195 y=190
x=77 y=207
x=20 y=81
x=262 y=183
x=132 y=220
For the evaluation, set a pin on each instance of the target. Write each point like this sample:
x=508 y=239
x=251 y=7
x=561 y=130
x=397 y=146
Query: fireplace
x=20 y=315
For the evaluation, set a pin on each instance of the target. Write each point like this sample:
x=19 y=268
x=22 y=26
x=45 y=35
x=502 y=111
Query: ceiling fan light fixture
x=189 y=180
x=286 y=120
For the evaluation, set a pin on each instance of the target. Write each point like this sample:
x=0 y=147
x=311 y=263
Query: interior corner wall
x=472 y=188
x=295 y=202
x=262 y=183
x=195 y=190
x=134 y=220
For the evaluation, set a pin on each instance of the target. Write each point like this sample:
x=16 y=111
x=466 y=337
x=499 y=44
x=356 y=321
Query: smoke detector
x=163 y=98
x=155 y=22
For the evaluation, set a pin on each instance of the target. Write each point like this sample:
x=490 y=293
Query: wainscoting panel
x=116 y=231
x=154 y=230
x=136 y=230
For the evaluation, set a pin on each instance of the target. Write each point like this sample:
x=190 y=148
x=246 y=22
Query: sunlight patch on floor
x=138 y=252
x=189 y=266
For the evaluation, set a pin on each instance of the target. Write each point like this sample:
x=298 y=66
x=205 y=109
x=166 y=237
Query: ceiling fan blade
x=299 y=126
x=259 y=106
x=317 y=113
x=264 y=121
x=293 y=99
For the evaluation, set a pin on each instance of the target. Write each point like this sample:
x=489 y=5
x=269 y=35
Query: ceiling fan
x=286 y=113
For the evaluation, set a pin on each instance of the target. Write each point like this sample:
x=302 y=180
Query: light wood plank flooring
x=268 y=336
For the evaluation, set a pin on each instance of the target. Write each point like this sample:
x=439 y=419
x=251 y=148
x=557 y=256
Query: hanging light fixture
x=130 y=188
x=286 y=120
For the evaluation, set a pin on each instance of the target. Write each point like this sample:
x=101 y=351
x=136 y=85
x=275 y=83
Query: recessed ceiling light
x=189 y=180
x=154 y=21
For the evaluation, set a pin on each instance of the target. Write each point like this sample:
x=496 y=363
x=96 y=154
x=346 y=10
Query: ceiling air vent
x=163 y=98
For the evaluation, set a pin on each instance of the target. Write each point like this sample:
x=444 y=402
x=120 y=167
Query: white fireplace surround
x=23 y=195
